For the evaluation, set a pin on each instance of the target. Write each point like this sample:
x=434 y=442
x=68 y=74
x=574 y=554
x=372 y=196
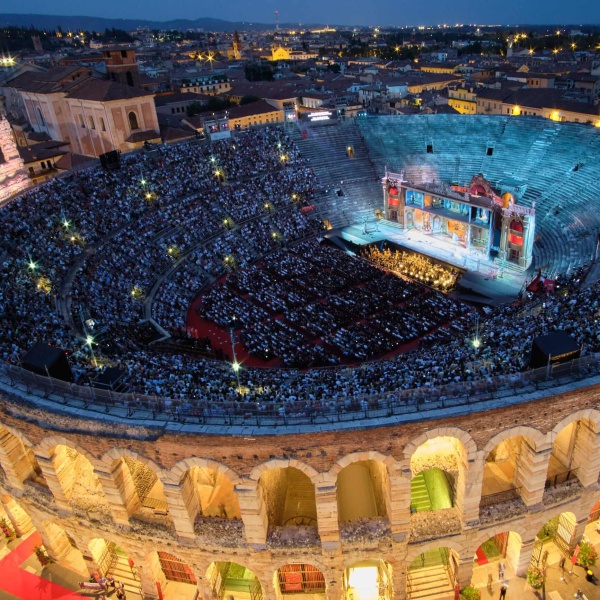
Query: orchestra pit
x=221 y=378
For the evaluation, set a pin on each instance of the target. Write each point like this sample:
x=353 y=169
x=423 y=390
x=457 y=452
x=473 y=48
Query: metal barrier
x=496 y=498
x=422 y=400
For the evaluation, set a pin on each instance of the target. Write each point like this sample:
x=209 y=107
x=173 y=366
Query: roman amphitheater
x=343 y=482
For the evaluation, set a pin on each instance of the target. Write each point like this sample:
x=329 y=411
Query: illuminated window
x=133 y=122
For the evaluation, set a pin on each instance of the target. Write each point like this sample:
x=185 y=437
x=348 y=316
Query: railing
x=464 y=396
x=498 y=497
x=561 y=478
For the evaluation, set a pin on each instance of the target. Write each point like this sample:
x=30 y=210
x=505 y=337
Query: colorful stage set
x=472 y=221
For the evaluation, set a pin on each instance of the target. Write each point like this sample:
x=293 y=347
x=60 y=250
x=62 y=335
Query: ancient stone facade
x=270 y=501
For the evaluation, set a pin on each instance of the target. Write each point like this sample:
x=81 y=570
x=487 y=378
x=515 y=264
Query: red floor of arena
x=25 y=585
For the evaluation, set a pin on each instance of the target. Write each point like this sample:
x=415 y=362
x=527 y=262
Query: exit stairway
x=428 y=577
x=122 y=572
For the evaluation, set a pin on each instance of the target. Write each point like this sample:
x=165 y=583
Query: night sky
x=354 y=12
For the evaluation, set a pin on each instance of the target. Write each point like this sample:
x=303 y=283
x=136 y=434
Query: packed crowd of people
x=94 y=248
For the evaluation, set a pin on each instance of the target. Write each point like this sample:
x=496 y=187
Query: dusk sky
x=359 y=12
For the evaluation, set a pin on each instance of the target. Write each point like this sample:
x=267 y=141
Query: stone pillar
x=464 y=574
x=525 y=555
x=398 y=578
x=327 y=516
x=113 y=496
x=399 y=513
x=49 y=473
x=531 y=473
x=178 y=511
x=146 y=580
x=55 y=541
x=473 y=476
x=14 y=460
x=586 y=454
x=253 y=513
x=578 y=531
x=18 y=517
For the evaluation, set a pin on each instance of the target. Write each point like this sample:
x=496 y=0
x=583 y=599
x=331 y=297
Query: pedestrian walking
x=503 y=589
x=501 y=570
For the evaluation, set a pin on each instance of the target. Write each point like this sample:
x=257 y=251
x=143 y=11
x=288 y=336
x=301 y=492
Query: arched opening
x=210 y=499
x=133 y=121
x=299 y=578
x=111 y=560
x=289 y=498
x=141 y=491
x=18 y=461
x=438 y=475
x=555 y=540
x=571 y=450
x=78 y=480
x=503 y=473
x=233 y=581
x=433 y=573
x=497 y=559
x=368 y=580
x=362 y=493
x=62 y=548
x=173 y=578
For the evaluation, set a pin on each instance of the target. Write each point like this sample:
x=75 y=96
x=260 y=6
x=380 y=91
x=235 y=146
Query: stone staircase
x=352 y=184
x=419 y=495
x=122 y=572
x=429 y=580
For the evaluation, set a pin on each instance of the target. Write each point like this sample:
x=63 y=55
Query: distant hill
x=100 y=24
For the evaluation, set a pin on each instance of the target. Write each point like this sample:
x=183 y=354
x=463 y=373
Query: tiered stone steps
x=428 y=576
x=122 y=572
x=419 y=496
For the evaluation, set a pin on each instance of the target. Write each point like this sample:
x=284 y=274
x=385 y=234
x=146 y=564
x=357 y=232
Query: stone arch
x=559 y=533
x=171 y=575
x=499 y=554
x=73 y=467
x=179 y=469
x=139 y=482
x=363 y=486
x=299 y=577
x=486 y=534
x=287 y=495
x=207 y=488
x=416 y=551
x=224 y=576
x=18 y=459
x=536 y=437
x=133 y=120
x=470 y=448
x=368 y=578
x=439 y=466
x=61 y=546
x=510 y=466
x=353 y=457
x=311 y=473
x=575 y=453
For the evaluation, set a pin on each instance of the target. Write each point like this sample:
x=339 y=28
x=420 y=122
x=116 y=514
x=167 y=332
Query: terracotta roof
x=253 y=108
x=42 y=151
x=100 y=90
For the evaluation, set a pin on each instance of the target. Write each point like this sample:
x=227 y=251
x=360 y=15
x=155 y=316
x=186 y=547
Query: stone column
x=14 y=461
x=18 y=517
x=146 y=580
x=113 y=496
x=464 y=574
x=525 y=555
x=178 y=511
x=327 y=516
x=399 y=513
x=253 y=513
x=49 y=473
x=473 y=476
x=531 y=473
x=586 y=454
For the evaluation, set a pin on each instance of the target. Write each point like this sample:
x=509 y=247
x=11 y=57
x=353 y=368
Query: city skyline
x=334 y=12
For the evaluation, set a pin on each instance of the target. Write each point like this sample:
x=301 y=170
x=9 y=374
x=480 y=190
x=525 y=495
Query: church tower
x=13 y=176
x=237 y=46
x=121 y=66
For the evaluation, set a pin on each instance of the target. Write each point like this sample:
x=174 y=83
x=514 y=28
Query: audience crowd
x=100 y=251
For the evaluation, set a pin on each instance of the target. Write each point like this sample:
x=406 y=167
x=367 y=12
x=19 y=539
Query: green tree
x=588 y=557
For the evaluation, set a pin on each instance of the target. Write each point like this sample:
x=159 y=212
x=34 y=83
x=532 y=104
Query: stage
x=483 y=280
